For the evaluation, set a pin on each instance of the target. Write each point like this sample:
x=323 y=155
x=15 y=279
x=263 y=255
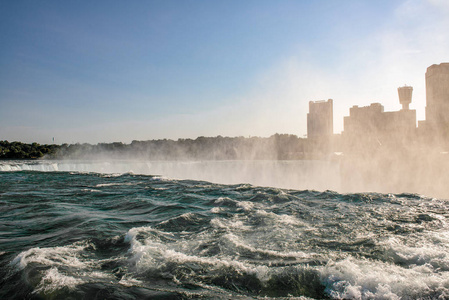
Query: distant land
x=275 y=147
x=18 y=150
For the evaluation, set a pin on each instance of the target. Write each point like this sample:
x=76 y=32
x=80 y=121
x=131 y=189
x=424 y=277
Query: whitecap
x=55 y=256
x=431 y=249
x=216 y=210
x=240 y=244
x=128 y=282
x=54 y=280
x=245 y=205
x=353 y=278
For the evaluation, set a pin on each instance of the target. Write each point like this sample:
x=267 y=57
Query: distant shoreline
x=275 y=147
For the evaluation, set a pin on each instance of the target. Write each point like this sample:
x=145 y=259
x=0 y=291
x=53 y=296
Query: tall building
x=437 y=97
x=320 y=121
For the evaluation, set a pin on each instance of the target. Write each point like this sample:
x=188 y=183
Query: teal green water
x=123 y=236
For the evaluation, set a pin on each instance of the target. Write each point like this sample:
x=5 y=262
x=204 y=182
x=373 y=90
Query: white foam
x=64 y=267
x=275 y=219
x=218 y=223
x=353 y=278
x=145 y=252
x=229 y=224
x=162 y=178
x=55 y=256
x=91 y=190
x=246 y=205
x=187 y=216
x=290 y=220
x=430 y=249
x=216 y=210
x=223 y=199
x=54 y=280
x=150 y=253
x=237 y=242
x=128 y=282
x=217 y=263
x=96 y=275
x=111 y=175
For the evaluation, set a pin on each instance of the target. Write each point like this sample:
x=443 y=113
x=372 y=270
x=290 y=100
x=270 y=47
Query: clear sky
x=104 y=71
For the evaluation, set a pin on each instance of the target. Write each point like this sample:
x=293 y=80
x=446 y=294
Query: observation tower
x=405 y=96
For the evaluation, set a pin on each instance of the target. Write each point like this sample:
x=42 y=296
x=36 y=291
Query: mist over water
x=426 y=175
x=300 y=175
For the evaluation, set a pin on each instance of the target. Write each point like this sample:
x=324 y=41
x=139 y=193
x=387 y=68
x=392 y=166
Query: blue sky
x=103 y=71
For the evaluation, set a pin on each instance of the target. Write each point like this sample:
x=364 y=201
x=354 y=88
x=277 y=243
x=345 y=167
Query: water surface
x=85 y=235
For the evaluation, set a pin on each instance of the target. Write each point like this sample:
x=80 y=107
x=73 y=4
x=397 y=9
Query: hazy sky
x=103 y=71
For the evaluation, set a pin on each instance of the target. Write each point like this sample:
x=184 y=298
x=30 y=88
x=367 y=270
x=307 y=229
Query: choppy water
x=125 y=236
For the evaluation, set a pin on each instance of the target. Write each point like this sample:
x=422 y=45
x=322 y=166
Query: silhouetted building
x=363 y=121
x=386 y=151
x=320 y=127
x=368 y=128
x=437 y=101
x=405 y=96
x=320 y=122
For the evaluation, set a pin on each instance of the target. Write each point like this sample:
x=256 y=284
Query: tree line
x=275 y=147
x=18 y=150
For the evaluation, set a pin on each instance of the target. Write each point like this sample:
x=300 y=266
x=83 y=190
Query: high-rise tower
x=320 y=122
x=437 y=96
x=320 y=126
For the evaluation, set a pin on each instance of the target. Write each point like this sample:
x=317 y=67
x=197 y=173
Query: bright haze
x=104 y=71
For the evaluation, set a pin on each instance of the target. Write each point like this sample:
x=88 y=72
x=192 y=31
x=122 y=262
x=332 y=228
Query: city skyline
x=108 y=72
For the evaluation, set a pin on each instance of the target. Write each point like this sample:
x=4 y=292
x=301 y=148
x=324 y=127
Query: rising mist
x=378 y=151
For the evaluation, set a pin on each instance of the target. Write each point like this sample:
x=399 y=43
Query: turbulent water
x=87 y=235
